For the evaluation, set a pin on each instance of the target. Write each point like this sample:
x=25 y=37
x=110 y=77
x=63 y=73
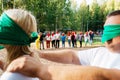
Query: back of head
x=24 y=19
x=26 y=26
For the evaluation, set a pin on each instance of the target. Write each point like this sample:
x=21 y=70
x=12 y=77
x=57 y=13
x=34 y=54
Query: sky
x=89 y=1
x=79 y=1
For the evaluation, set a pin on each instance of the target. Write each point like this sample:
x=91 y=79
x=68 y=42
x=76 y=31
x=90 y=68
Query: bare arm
x=65 y=72
x=81 y=73
x=62 y=56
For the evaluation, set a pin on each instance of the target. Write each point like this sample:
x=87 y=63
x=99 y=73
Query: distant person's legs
x=58 y=43
x=48 y=44
x=63 y=44
x=73 y=43
x=86 y=41
x=69 y=43
x=42 y=44
x=80 y=43
x=53 y=43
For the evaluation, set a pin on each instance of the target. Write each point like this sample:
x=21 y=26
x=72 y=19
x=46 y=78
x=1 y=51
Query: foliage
x=54 y=15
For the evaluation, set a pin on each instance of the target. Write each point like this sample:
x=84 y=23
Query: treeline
x=63 y=14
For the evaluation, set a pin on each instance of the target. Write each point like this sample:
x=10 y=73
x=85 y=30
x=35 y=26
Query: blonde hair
x=24 y=19
x=28 y=23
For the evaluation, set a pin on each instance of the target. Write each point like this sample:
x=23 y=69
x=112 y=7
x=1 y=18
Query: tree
x=83 y=15
x=62 y=14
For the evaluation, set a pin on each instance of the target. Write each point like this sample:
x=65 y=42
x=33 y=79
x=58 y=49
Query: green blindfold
x=110 y=32
x=13 y=34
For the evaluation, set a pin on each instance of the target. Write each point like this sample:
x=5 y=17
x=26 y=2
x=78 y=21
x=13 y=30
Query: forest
x=54 y=15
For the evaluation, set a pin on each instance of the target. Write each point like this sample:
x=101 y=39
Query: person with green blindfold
x=91 y=64
x=110 y=32
x=18 y=29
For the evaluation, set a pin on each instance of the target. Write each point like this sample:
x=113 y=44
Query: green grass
x=96 y=42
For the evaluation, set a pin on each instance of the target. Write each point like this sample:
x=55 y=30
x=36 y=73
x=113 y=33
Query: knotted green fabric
x=110 y=32
x=1 y=47
x=11 y=33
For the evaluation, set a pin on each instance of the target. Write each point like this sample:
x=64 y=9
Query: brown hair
x=114 y=13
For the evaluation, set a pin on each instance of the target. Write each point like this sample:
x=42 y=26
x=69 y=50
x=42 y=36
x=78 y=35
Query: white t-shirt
x=53 y=37
x=48 y=38
x=69 y=37
x=15 y=76
x=100 y=57
x=86 y=37
x=57 y=36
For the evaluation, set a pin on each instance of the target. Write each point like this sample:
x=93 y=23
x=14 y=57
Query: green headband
x=11 y=33
x=110 y=32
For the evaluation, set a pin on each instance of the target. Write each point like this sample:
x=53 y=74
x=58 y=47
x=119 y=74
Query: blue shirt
x=63 y=38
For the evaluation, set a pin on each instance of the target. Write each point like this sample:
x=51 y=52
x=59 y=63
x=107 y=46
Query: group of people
x=88 y=37
x=71 y=37
x=53 y=38
x=22 y=62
